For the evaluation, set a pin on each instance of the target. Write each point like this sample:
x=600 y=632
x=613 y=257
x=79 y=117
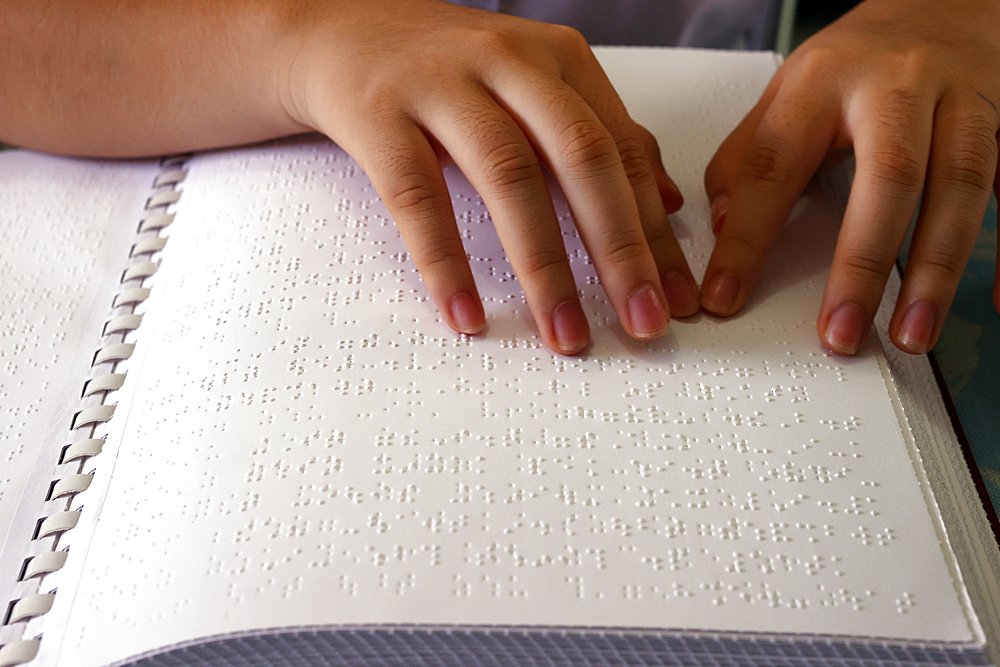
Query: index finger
x=796 y=128
x=584 y=156
x=655 y=193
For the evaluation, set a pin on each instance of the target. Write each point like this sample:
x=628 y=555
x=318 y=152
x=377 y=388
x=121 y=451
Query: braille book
x=236 y=432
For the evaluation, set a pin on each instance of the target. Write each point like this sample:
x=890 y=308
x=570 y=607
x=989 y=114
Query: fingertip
x=647 y=312
x=467 y=314
x=671 y=195
x=917 y=329
x=720 y=207
x=570 y=328
x=845 y=329
x=681 y=292
x=720 y=293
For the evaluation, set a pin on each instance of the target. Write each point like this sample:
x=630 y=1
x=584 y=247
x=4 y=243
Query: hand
x=400 y=83
x=913 y=86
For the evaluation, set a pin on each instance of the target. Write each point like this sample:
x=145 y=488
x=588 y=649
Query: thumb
x=724 y=167
x=669 y=192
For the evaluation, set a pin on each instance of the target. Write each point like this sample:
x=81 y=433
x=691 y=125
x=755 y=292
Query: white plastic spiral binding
x=95 y=409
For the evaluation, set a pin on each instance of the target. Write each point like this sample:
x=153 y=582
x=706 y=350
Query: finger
x=787 y=146
x=963 y=162
x=679 y=284
x=499 y=162
x=724 y=168
x=655 y=192
x=584 y=157
x=406 y=173
x=891 y=143
x=670 y=194
x=587 y=77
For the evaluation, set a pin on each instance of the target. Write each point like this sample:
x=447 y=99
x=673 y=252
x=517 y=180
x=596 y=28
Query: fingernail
x=720 y=206
x=570 y=327
x=681 y=295
x=719 y=295
x=917 y=328
x=647 y=313
x=467 y=313
x=845 y=328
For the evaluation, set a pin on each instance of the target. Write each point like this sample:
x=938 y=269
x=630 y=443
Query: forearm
x=135 y=77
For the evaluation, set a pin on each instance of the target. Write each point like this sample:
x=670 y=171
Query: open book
x=236 y=432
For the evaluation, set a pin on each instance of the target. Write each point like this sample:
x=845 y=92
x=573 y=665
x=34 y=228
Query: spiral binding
x=96 y=408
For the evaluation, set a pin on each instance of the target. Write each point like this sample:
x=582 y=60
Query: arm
x=398 y=84
x=109 y=79
x=913 y=86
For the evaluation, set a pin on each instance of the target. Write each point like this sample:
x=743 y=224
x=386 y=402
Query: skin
x=384 y=80
x=911 y=85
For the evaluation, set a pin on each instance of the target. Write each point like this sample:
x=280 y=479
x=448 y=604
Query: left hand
x=913 y=86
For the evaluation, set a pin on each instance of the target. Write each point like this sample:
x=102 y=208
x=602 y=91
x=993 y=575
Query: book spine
x=48 y=550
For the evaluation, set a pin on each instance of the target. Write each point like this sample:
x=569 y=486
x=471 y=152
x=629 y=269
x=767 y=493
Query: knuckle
x=970 y=166
x=586 y=145
x=543 y=262
x=867 y=265
x=511 y=166
x=942 y=260
x=739 y=243
x=966 y=172
x=898 y=166
x=431 y=251
x=635 y=159
x=623 y=249
x=913 y=63
x=378 y=101
x=413 y=194
x=660 y=239
x=898 y=119
x=495 y=44
x=570 y=39
x=817 y=64
x=899 y=116
x=767 y=163
x=979 y=132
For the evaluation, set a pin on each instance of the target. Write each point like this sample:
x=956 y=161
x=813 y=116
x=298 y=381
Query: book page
x=60 y=225
x=304 y=443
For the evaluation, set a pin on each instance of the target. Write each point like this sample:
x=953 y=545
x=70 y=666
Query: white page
x=60 y=222
x=308 y=444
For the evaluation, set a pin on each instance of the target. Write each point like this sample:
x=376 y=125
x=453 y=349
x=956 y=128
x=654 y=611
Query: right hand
x=400 y=83
x=912 y=86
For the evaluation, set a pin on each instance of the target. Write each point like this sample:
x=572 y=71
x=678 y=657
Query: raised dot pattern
x=308 y=443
